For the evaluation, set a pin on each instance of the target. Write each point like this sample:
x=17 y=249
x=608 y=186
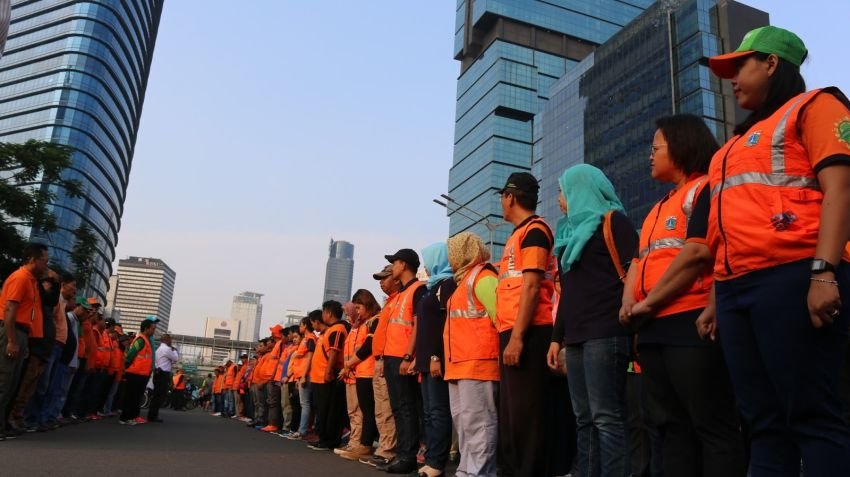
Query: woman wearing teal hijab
x=430 y=321
x=587 y=321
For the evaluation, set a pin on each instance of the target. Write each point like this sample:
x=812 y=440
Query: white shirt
x=166 y=356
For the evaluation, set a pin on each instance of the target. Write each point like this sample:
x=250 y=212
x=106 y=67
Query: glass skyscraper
x=75 y=73
x=511 y=52
x=603 y=111
x=339 y=271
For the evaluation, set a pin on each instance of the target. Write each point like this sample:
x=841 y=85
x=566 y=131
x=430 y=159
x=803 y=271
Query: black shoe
x=399 y=466
x=42 y=428
x=319 y=446
x=156 y=419
x=13 y=432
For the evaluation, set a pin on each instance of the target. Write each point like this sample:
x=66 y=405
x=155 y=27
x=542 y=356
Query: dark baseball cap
x=407 y=256
x=387 y=271
x=110 y=322
x=521 y=182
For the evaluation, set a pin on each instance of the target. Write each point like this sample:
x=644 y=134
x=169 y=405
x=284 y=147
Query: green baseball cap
x=767 y=39
x=83 y=302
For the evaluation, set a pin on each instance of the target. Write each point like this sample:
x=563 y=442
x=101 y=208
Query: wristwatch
x=407 y=357
x=821 y=266
x=435 y=358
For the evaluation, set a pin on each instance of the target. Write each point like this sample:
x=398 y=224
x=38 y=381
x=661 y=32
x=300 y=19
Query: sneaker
x=30 y=429
x=295 y=436
x=128 y=423
x=94 y=417
x=356 y=452
x=102 y=414
x=53 y=425
x=270 y=428
x=217 y=414
x=140 y=420
x=340 y=450
x=375 y=460
x=318 y=446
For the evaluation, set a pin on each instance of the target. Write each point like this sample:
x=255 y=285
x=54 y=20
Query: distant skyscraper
x=293 y=317
x=339 y=272
x=603 y=111
x=145 y=286
x=511 y=51
x=248 y=310
x=75 y=73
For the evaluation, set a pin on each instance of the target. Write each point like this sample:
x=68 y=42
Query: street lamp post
x=482 y=219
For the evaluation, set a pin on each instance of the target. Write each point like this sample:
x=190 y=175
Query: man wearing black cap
x=524 y=320
x=397 y=357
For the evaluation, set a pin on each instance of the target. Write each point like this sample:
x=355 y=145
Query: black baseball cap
x=407 y=256
x=387 y=271
x=521 y=182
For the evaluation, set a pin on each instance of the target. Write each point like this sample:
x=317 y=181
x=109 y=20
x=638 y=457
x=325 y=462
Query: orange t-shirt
x=333 y=338
x=824 y=127
x=21 y=287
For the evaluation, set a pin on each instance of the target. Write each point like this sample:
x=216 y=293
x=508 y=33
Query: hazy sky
x=273 y=126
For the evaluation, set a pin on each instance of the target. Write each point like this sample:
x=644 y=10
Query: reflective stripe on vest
x=143 y=361
x=675 y=242
x=471 y=310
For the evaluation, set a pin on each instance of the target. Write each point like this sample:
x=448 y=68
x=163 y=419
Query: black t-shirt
x=679 y=328
x=591 y=291
x=430 y=322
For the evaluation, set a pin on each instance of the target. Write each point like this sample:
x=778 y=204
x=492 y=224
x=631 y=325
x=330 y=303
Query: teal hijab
x=590 y=195
x=436 y=260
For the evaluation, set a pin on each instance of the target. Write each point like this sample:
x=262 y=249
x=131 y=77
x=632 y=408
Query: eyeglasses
x=654 y=148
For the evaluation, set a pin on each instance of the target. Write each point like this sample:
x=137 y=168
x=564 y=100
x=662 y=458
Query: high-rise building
x=510 y=52
x=222 y=329
x=75 y=73
x=145 y=286
x=603 y=111
x=247 y=309
x=339 y=272
x=293 y=317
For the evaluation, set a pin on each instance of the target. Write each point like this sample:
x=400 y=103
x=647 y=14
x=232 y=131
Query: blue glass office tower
x=603 y=111
x=339 y=271
x=75 y=72
x=511 y=51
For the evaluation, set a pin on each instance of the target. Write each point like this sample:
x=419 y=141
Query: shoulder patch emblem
x=842 y=131
x=670 y=223
x=753 y=139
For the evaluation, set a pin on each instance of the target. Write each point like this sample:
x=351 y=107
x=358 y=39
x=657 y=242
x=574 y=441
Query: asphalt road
x=187 y=444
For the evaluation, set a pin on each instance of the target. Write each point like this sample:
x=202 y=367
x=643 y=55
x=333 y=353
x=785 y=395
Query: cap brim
x=391 y=258
x=725 y=66
x=380 y=276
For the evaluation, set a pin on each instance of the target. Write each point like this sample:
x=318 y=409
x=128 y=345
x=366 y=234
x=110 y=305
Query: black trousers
x=404 y=401
x=295 y=402
x=134 y=389
x=524 y=393
x=330 y=408
x=366 y=400
x=693 y=405
x=161 y=384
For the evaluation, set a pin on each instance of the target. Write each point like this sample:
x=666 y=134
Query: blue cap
x=152 y=318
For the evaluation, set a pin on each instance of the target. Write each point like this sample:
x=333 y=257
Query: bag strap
x=612 y=247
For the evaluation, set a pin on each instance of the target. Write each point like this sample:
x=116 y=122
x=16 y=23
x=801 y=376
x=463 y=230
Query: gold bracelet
x=823 y=280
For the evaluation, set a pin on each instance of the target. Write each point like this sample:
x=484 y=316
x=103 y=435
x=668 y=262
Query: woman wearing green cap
x=780 y=192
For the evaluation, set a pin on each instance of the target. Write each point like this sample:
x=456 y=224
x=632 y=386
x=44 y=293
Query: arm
x=303 y=380
x=531 y=281
x=688 y=265
x=329 y=373
x=629 y=294
x=824 y=298
x=706 y=322
x=12 y=347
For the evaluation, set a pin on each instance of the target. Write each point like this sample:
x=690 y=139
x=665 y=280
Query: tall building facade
x=339 y=271
x=145 y=286
x=510 y=53
x=247 y=309
x=603 y=111
x=75 y=73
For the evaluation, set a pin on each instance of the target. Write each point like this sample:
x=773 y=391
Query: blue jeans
x=229 y=403
x=785 y=372
x=218 y=403
x=438 y=421
x=597 y=378
x=304 y=399
x=39 y=400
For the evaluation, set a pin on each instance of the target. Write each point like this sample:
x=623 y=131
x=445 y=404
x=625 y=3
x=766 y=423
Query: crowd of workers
x=711 y=343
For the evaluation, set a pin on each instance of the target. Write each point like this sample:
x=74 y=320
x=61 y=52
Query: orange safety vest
x=143 y=361
x=320 y=358
x=229 y=376
x=661 y=239
x=218 y=384
x=365 y=368
x=348 y=351
x=299 y=364
x=273 y=362
x=179 y=382
x=469 y=334
x=765 y=196
x=103 y=354
x=240 y=374
x=379 y=340
x=280 y=372
x=115 y=357
x=400 y=322
x=510 y=280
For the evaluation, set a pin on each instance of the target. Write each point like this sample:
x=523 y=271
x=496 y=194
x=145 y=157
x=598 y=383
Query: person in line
x=374 y=346
x=116 y=365
x=353 y=450
x=524 y=312
x=778 y=226
x=217 y=388
x=684 y=377
x=139 y=364
x=178 y=390
x=587 y=322
x=75 y=404
x=71 y=355
x=260 y=377
x=361 y=363
x=227 y=392
x=430 y=322
x=328 y=392
x=281 y=378
x=300 y=371
x=273 y=394
x=22 y=318
x=471 y=356
x=166 y=358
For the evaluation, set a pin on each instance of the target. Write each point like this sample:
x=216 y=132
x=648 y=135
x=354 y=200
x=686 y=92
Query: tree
x=30 y=174
x=82 y=255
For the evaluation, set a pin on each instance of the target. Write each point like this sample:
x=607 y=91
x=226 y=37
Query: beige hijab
x=466 y=250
